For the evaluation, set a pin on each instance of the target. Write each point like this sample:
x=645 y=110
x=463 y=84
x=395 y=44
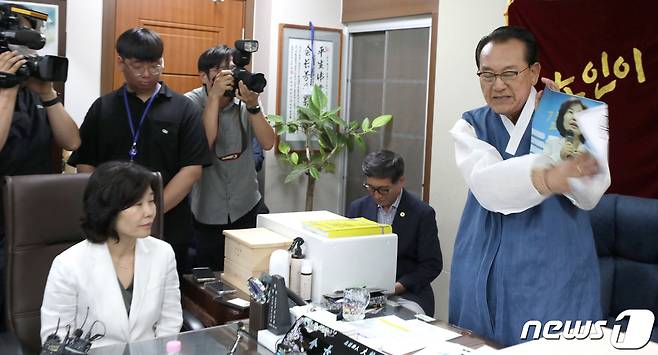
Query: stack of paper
x=346 y=227
x=393 y=335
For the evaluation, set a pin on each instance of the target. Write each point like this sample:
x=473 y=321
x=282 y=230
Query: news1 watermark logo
x=638 y=330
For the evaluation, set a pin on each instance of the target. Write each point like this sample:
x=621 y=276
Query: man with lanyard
x=146 y=122
x=32 y=118
x=227 y=195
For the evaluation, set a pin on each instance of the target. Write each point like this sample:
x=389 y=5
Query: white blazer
x=83 y=277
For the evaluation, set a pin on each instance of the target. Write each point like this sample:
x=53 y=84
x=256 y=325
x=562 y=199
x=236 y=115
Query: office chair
x=626 y=236
x=42 y=219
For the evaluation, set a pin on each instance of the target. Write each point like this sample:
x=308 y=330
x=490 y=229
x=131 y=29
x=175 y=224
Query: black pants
x=210 y=237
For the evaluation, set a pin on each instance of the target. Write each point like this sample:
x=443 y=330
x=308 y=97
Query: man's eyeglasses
x=507 y=76
x=139 y=69
x=382 y=190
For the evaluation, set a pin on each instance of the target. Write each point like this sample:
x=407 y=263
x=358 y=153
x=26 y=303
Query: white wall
x=461 y=25
x=84 y=20
x=268 y=15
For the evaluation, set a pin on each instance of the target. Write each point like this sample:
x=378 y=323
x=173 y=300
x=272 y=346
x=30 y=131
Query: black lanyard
x=135 y=133
x=244 y=140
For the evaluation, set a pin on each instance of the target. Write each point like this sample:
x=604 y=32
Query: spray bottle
x=296 y=260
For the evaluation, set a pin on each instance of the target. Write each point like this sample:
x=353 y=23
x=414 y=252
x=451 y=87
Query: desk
x=215 y=340
x=466 y=337
x=218 y=340
x=210 y=309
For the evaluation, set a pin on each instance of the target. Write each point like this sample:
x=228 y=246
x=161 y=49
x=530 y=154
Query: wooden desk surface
x=209 y=308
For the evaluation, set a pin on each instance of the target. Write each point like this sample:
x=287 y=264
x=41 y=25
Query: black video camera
x=46 y=68
x=241 y=57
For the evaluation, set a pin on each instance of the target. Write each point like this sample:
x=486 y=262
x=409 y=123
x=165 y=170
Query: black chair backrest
x=626 y=236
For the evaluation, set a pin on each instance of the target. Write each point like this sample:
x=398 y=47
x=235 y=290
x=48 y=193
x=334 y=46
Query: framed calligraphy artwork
x=307 y=58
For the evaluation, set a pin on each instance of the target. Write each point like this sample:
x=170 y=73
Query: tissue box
x=247 y=253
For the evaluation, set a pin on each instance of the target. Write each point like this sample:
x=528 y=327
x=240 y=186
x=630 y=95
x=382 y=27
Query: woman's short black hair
x=140 y=44
x=113 y=187
x=506 y=33
x=559 y=121
x=383 y=164
x=214 y=57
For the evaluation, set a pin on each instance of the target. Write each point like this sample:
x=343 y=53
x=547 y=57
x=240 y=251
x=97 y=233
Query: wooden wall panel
x=362 y=10
x=188 y=27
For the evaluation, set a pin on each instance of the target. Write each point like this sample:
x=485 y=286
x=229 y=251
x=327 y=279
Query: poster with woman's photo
x=555 y=129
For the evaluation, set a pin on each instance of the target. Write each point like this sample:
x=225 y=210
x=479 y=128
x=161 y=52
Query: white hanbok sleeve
x=499 y=185
x=587 y=191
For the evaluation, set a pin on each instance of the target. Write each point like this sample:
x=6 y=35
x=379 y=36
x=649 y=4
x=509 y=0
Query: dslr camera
x=241 y=57
x=12 y=35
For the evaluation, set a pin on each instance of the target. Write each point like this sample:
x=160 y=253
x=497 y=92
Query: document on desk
x=393 y=335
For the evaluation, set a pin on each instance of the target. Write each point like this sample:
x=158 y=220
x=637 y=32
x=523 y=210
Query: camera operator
x=31 y=118
x=227 y=195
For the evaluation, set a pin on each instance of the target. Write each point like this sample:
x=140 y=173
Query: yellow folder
x=347 y=227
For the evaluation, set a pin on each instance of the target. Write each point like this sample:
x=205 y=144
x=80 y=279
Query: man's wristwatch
x=52 y=102
x=253 y=110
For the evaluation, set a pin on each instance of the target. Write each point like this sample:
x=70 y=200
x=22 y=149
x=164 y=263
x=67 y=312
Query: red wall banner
x=606 y=50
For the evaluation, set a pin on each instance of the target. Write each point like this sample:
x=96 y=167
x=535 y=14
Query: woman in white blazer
x=119 y=281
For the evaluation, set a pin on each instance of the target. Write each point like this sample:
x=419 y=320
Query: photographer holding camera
x=227 y=196
x=32 y=116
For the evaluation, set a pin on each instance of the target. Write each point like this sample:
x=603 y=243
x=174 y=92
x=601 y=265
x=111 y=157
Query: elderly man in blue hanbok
x=524 y=249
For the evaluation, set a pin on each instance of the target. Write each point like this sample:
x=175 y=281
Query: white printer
x=339 y=263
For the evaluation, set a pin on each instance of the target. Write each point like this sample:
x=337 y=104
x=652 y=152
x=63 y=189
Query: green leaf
x=294 y=158
x=343 y=139
x=318 y=98
x=280 y=129
x=349 y=143
x=330 y=168
x=301 y=116
x=381 y=121
x=274 y=119
x=322 y=141
x=335 y=111
x=365 y=125
x=314 y=172
x=314 y=108
x=317 y=159
x=284 y=147
x=333 y=138
x=295 y=173
x=308 y=114
x=341 y=122
x=362 y=143
x=333 y=116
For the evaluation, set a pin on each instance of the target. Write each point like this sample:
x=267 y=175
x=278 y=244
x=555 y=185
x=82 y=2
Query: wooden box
x=247 y=253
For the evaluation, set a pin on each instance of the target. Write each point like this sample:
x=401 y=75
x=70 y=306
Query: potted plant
x=331 y=134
